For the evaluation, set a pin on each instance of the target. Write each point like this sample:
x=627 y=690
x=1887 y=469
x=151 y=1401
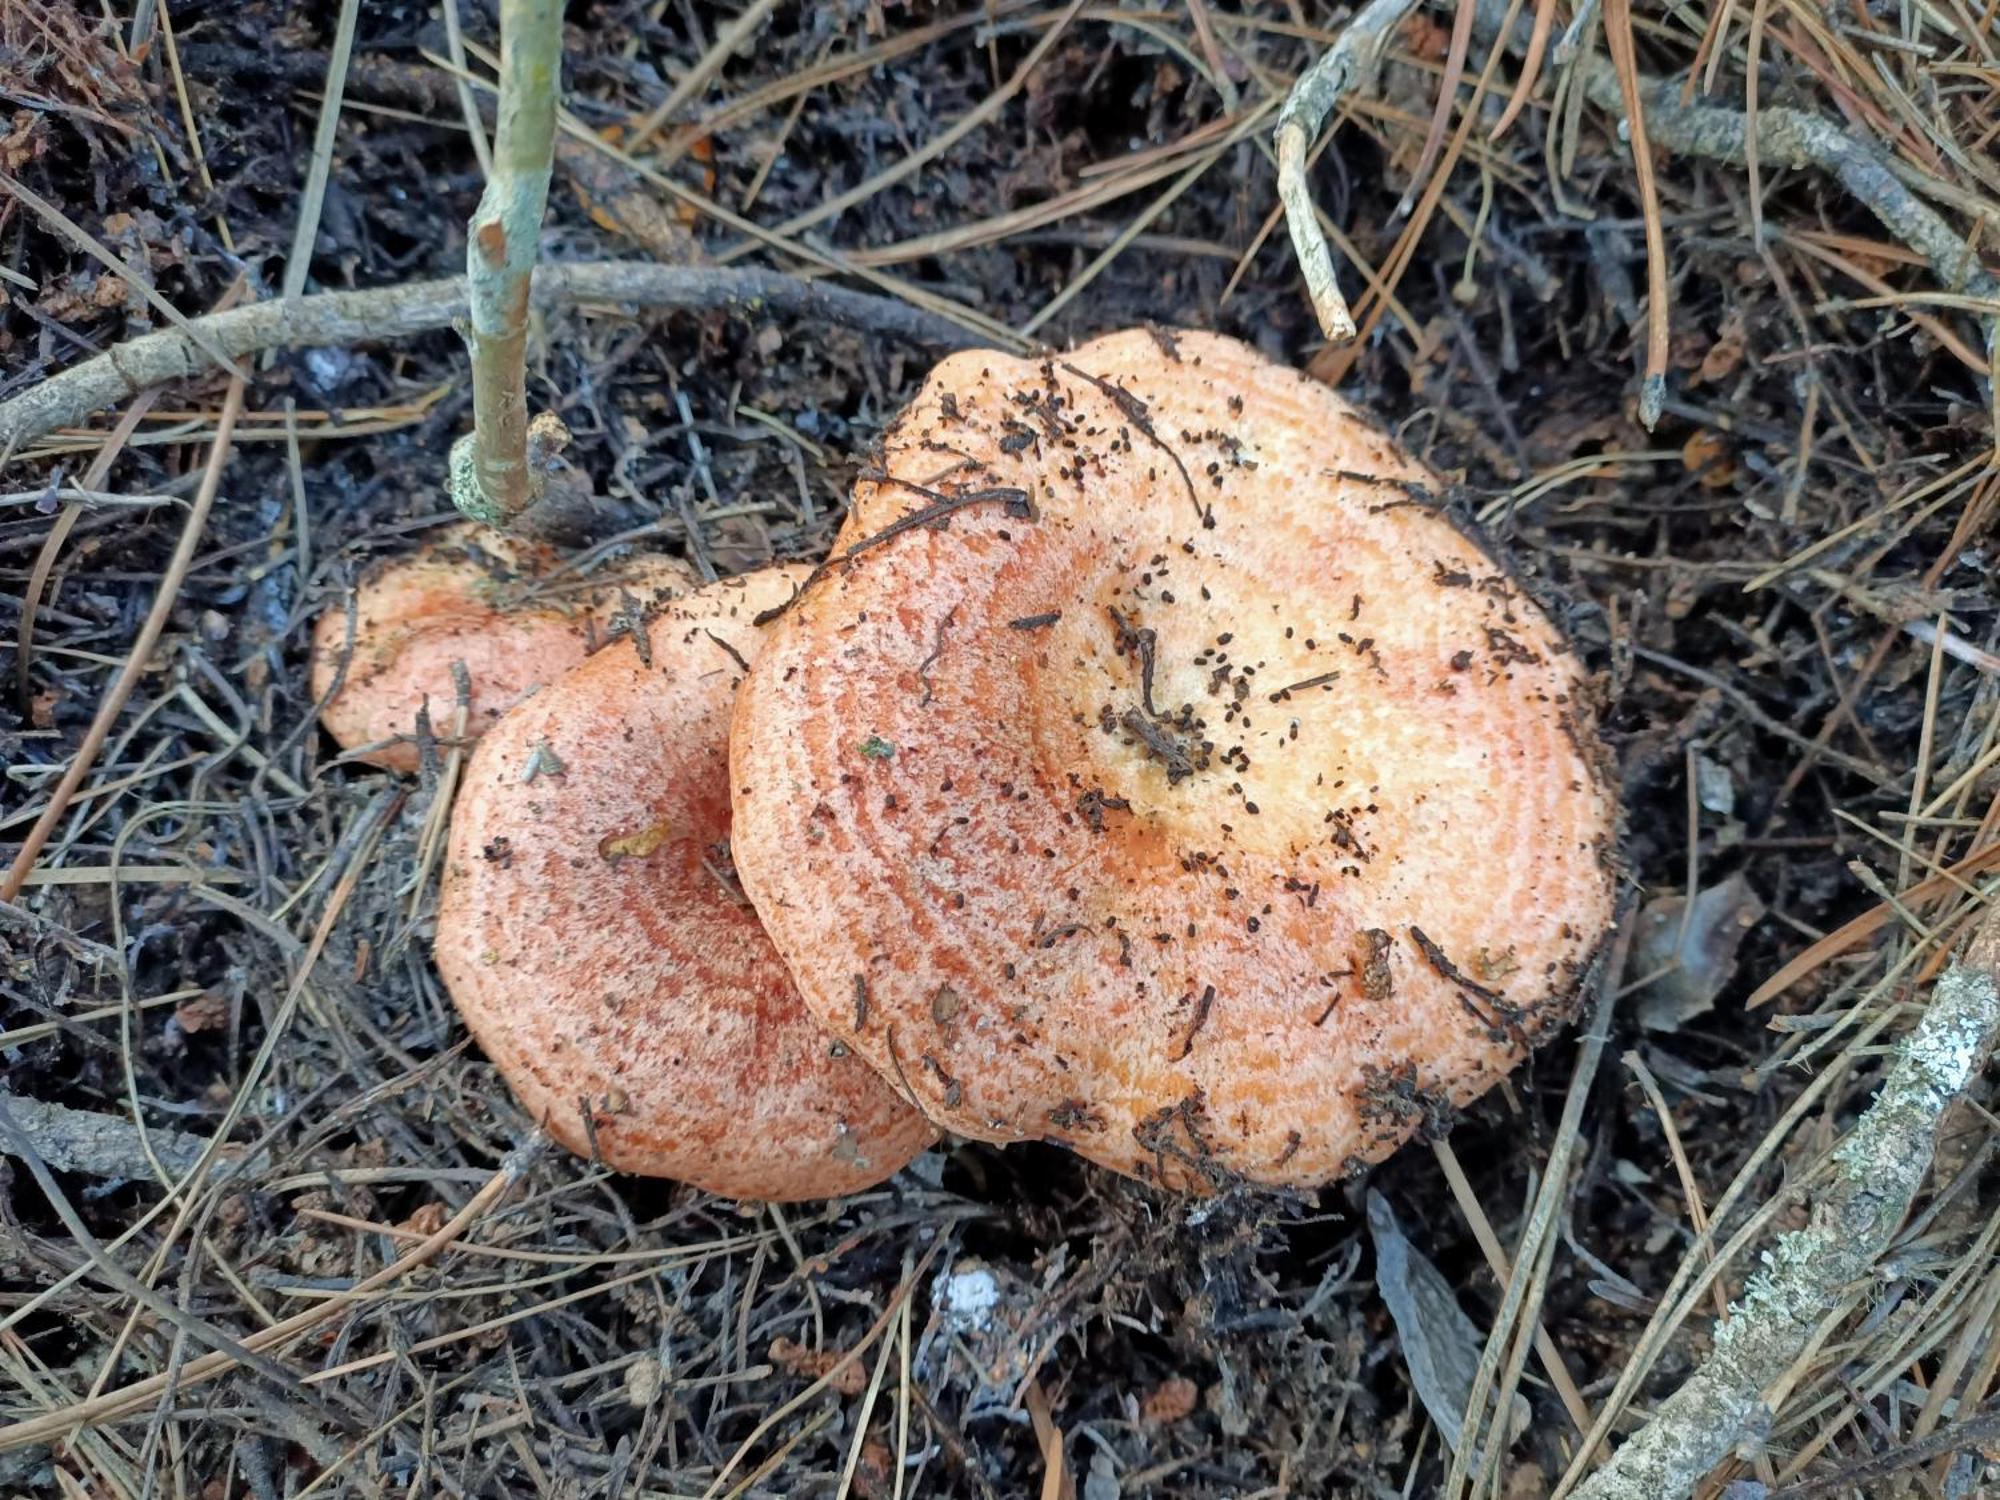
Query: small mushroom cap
x=1154 y=768
x=499 y=604
x=591 y=932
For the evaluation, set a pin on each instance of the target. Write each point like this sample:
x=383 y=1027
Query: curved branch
x=1349 y=66
x=382 y=314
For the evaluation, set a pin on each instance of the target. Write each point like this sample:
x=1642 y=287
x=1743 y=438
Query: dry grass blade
x=298 y=264
x=141 y=1393
x=138 y=660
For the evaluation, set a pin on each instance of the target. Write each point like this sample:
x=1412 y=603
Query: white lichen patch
x=967 y=1298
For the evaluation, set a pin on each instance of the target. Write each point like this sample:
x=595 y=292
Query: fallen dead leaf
x=1172 y=1400
x=205 y=1012
x=813 y=1363
x=1706 y=455
x=427 y=1220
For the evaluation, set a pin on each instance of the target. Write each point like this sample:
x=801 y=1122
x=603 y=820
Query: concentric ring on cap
x=1154 y=768
x=593 y=936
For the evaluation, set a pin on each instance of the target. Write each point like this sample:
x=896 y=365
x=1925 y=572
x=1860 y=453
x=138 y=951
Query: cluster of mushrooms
x=1151 y=767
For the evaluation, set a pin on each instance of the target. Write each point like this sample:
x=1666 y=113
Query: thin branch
x=1349 y=66
x=1811 y=1272
x=396 y=312
x=86 y=1142
x=1799 y=139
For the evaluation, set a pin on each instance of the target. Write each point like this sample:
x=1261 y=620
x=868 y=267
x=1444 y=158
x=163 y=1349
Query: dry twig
x=1349 y=65
x=1797 y=139
x=91 y=1143
x=395 y=312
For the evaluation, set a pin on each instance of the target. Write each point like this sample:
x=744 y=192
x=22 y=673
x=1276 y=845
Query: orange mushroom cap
x=496 y=603
x=591 y=932
x=1153 y=768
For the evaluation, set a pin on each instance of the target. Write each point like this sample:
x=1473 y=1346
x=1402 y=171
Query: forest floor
x=220 y=958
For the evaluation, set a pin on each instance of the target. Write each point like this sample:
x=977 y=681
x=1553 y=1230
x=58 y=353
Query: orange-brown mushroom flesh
x=592 y=934
x=504 y=608
x=1152 y=768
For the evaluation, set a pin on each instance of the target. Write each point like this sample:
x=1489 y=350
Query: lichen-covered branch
x=383 y=314
x=93 y=1144
x=1350 y=64
x=492 y=479
x=1877 y=1170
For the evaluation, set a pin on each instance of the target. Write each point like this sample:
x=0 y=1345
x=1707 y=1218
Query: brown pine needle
x=1624 y=58
x=1454 y=74
x=1531 y=68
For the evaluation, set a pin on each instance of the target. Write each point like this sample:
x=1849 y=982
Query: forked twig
x=1792 y=137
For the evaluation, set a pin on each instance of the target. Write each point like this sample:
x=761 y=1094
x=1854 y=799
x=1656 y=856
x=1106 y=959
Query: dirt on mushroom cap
x=1153 y=768
x=502 y=606
x=593 y=936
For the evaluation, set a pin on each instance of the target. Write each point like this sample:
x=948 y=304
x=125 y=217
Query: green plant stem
x=492 y=480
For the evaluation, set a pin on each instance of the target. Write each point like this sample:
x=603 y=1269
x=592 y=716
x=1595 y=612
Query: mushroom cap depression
x=1154 y=769
x=592 y=935
x=497 y=603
